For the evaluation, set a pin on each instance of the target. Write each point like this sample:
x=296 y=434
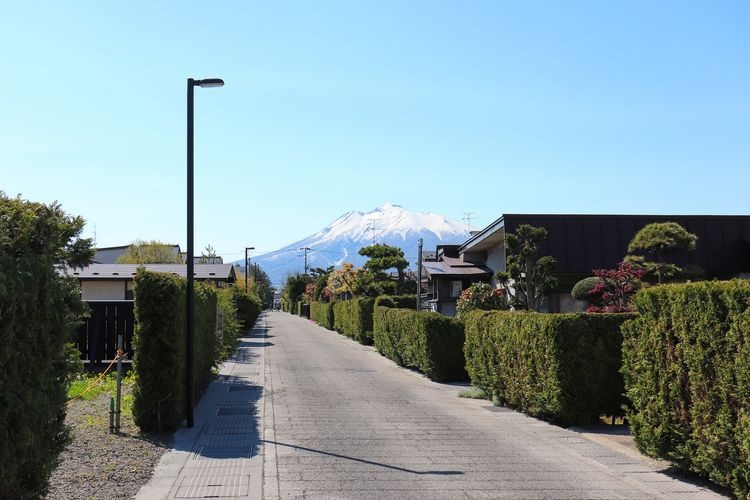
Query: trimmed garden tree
x=527 y=279
x=660 y=240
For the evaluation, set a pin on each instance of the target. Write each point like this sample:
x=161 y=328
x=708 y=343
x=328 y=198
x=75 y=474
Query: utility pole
x=305 y=249
x=467 y=217
x=419 y=276
x=247 y=269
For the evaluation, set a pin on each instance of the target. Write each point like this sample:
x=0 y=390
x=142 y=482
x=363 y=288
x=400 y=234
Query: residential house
x=115 y=281
x=447 y=275
x=582 y=243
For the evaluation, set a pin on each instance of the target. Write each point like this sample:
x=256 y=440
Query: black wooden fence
x=97 y=337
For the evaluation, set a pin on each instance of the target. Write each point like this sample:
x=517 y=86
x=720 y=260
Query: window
x=129 y=287
x=456 y=287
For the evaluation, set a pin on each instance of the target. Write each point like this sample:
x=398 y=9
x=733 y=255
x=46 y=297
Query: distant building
x=447 y=275
x=115 y=281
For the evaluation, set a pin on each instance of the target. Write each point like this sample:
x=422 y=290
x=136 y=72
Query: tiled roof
x=443 y=268
x=127 y=271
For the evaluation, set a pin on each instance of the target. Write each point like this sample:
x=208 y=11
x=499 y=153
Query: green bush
x=39 y=310
x=159 y=342
x=322 y=314
x=427 y=341
x=397 y=301
x=686 y=363
x=581 y=290
x=353 y=318
x=560 y=367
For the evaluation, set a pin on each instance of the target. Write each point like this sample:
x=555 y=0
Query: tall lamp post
x=191 y=84
x=247 y=268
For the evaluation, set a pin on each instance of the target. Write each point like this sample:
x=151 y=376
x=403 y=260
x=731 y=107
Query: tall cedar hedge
x=159 y=342
x=353 y=318
x=686 y=362
x=322 y=314
x=427 y=341
x=249 y=308
x=560 y=367
x=38 y=312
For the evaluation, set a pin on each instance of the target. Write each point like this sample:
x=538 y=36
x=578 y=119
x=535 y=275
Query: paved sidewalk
x=221 y=456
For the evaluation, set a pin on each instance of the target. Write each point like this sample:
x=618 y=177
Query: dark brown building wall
x=581 y=243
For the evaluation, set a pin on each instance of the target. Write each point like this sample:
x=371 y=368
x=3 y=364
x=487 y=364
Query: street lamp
x=247 y=269
x=191 y=84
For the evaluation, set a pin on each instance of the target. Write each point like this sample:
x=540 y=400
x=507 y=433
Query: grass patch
x=473 y=393
x=82 y=388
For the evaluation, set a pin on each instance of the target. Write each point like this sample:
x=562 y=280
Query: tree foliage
x=527 y=279
x=660 y=240
x=39 y=310
x=208 y=255
x=375 y=280
x=480 y=296
x=294 y=288
x=261 y=283
x=150 y=252
x=615 y=288
x=344 y=280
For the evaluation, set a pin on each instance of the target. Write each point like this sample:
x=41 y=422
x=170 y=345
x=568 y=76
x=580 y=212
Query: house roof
x=127 y=271
x=445 y=269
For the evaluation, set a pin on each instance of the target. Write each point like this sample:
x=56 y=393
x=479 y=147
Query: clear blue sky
x=490 y=107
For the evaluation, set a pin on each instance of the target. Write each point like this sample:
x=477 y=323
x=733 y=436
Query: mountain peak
x=341 y=240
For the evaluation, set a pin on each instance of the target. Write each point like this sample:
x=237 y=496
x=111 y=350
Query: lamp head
x=209 y=82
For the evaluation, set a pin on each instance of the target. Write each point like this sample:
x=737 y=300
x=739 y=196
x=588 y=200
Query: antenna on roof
x=94 y=234
x=467 y=218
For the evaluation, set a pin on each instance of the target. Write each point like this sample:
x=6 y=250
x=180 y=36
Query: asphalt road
x=341 y=421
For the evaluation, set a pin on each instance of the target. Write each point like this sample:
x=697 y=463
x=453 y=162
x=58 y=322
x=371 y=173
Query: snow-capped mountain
x=341 y=240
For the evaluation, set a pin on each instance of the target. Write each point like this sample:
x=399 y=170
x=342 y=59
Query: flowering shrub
x=481 y=296
x=615 y=288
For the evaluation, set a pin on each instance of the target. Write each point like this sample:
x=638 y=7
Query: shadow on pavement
x=370 y=462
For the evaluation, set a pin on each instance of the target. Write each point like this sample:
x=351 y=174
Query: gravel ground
x=97 y=464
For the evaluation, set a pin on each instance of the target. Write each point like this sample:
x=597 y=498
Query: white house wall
x=496 y=260
x=103 y=290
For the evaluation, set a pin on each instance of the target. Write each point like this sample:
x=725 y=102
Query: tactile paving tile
x=215 y=482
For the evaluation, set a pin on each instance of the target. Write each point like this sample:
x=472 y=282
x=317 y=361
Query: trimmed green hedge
x=322 y=314
x=353 y=318
x=427 y=341
x=397 y=301
x=38 y=312
x=560 y=367
x=686 y=362
x=159 y=344
x=249 y=308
